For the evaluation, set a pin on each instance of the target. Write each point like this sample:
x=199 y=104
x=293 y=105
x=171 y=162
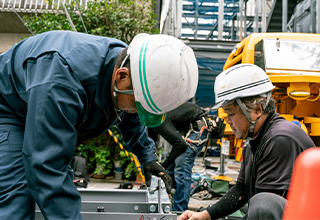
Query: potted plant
x=86 y=150
x=131 y=171
x=122 y=158
x=98 y=155
x=102 y=159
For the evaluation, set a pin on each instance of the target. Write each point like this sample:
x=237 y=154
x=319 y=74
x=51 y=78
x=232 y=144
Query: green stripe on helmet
x=143 y=78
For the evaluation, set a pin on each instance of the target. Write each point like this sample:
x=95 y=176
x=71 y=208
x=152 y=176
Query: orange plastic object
x=239 y=148
x=304 y=193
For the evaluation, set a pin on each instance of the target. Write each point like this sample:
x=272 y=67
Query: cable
x=19 y=17
x=68 y=16
x=81 y=18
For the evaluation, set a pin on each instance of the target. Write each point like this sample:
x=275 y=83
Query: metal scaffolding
x=236 y=19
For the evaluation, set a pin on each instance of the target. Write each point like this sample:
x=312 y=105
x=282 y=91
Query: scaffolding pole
x=256 y=16
x=220 y=19
x=240 y=19
x=318 y=17
x=284 y=15
x=264 y=17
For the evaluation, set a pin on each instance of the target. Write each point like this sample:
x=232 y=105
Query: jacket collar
x=103 y=97
x=265 y=126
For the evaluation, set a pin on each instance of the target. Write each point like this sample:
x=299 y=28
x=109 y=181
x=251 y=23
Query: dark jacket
x=58 y=84
x=267 y=164
x=269 y=159
x=176 y=120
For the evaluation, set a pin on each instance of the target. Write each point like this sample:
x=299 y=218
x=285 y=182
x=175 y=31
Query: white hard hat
x=164 y=74
x=242 y=80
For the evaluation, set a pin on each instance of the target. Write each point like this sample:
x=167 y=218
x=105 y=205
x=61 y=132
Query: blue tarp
x=209 y=68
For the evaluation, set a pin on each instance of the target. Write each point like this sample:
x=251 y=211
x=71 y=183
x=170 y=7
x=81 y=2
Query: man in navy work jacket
x=61 y=87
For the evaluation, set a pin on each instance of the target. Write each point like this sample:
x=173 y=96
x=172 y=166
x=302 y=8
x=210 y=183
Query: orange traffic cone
x=304 y=192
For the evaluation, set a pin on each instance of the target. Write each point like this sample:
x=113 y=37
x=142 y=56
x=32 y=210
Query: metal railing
x=33 y=6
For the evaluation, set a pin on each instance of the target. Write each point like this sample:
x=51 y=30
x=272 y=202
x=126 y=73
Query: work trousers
x=265 y=206
x=181 y=171
x=16 y=200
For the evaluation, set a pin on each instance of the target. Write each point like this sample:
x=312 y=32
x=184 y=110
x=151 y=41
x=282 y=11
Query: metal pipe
x=245 y=20
x=178 y=17
x=68 y=16
x=84 y=26
x=318 y=17
x=220 y=19
x=264 y=17
x=159 y=197
x=240 y=21
x=12 y=8
x=284 y=15
x=221 y=171
x=313 y=15
x=196 y=20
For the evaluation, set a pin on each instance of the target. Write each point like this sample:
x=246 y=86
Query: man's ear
x=122 y=74
x=259 y=110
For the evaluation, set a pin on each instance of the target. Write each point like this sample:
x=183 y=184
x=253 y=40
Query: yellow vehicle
x=292 y=62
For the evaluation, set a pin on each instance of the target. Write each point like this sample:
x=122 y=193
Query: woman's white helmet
x=164 y=74
x=242 y=80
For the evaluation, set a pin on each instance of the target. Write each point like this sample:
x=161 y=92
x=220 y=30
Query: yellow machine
x=292 y=62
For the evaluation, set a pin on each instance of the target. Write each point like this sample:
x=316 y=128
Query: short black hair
x=121 y=57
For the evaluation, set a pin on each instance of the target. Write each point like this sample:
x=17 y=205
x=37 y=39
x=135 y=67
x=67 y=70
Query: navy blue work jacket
x=58 y=84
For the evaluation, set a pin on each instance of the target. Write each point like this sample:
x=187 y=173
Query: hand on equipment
x=217 y=127
x=191 y=215
x=156 y=169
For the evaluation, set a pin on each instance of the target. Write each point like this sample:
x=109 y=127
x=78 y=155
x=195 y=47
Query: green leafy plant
x=116 y=151
x=121 y=19
x=121 y=155
x=102 y=156
x=98 y=154
x=130 y=168
x=87 y=150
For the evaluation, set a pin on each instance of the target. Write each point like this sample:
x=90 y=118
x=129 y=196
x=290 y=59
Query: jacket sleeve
x=50 y=140
x=136 y=138
x=233 y=200
x=170 y=134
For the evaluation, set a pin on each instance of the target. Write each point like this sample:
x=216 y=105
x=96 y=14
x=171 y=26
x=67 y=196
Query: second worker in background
x=186 y=129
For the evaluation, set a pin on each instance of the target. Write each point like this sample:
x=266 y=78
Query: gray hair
x=252 y=103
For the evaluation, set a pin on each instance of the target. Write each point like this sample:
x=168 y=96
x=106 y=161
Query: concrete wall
x=8 y=40
x=12 y=29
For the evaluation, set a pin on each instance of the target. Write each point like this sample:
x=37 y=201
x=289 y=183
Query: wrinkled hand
x=156 y=169
x=190 y=215
x=218 y=131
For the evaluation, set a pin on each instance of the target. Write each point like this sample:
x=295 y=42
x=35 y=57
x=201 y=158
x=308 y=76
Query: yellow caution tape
x=132 y=156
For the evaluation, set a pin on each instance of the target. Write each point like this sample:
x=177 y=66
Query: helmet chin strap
x=268 y=96
x=116 y=90
x=115 y=98
x=115 y=94
x=252 y=123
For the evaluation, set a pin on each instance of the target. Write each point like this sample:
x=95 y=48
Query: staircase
x=274 y=21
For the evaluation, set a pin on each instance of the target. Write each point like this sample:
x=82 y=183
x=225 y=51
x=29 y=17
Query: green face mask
x=147 y=119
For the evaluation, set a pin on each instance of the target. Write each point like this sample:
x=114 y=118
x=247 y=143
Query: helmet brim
x=148 y=119
x=219 y=105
